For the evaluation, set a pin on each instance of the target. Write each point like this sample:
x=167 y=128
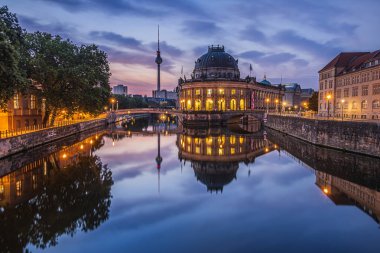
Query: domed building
x=216 y=91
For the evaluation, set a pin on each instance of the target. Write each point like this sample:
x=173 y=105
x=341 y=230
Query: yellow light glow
x=64 y=156
x=266 y=149
x=91 y=141
x=325 y=190
x=113 y=143
x=328 y=96
x=267 y=100
x=276 y=101
x=342 y=100
x=81 y=146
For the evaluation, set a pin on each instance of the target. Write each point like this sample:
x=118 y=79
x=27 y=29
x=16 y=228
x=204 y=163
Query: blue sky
x=292 y=39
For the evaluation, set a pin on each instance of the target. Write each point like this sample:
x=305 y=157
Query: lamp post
x=267 y=100
x=276 y=101
x=283 y=106
x=112 y=102
x=342 y=104
x=328 y=105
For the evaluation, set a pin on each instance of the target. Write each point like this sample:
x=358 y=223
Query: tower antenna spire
x=158 y=44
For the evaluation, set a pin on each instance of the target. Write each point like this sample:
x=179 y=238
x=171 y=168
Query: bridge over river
x=196 y=118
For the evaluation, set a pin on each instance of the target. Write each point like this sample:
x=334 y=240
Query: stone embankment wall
x=13 y=145
x=359 y=137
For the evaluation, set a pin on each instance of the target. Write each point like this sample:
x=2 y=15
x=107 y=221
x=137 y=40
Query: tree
x=12 y=75
x=73 y=78
x=313 y=102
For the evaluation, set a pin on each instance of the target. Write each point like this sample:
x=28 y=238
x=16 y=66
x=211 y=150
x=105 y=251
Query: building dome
x=216 y=63
x=265 y=81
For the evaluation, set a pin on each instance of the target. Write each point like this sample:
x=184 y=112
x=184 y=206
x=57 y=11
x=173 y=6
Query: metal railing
x=39 y=127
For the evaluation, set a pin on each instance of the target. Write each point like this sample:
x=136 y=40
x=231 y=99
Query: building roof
x=342 y=60
x=265 y=81
x=216 y=57
x=292 y=86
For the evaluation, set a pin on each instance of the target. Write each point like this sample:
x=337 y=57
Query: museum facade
x=215 y=85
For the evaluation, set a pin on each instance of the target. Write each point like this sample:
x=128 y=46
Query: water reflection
x=64 y=188
x=346 y=178
x=57 y=194
x=215 y=154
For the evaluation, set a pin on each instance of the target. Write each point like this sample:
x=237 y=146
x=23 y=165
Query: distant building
x=164 y=94
x=306 y=94
x=120 y=89
x=22 y=111
x=350 y=86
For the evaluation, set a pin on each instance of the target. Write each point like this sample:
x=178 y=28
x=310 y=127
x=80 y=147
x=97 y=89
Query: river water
x=162 y=188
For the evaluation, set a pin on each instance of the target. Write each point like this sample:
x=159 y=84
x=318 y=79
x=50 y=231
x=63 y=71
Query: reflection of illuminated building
x=22 y=184
x=343 y=192
x=215 y=158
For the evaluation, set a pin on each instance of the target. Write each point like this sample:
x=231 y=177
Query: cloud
x=115 y=7
x=202 y=28
x=254 y=35
x=117 y=39
x=55 y=28
x=297 y=42
x=167 y=49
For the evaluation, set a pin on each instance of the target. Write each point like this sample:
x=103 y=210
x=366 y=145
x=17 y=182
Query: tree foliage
x=131 y=102
x=73 y=78
x=12 y=73
x=313 y=102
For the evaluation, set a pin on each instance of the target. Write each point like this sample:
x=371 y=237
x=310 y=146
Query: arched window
x=233 y=104
x=354 y=105
x=198 y=105
x=376 y=104
x=209 y=104
x=189 y=104
x=242 y=104
x=364 y=104
x=221 y=104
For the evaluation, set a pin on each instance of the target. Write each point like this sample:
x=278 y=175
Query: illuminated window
x=364 y=104
x=189 y=148
x=16 y=101
x=221 y=91
x=233 y=92
x=209 y=91
x=209 y=105
x=232 y=139
x=18 y=188
x=241 y=92
x=32 y=102
x=209 y=140
x=242 y=104
x=208 y=151
x=197 y=150
x=376 y=104
x=221 y=151
x=188 y=92
x=241 y=139
x=197 y=141
x=189 y=104
x=1 y=189
x=198 y=105
x=233 y=104
x=365 y=90
x=198 y=92
x=232 y=151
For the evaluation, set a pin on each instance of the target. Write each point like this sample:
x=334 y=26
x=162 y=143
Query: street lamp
x=267 y=100
x=112 y=102
x=342 y=103
x=328 y=105
x=276 y=101
x=283 y=106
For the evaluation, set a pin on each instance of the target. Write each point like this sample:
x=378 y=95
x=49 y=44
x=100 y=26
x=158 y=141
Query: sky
x=292 y=39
